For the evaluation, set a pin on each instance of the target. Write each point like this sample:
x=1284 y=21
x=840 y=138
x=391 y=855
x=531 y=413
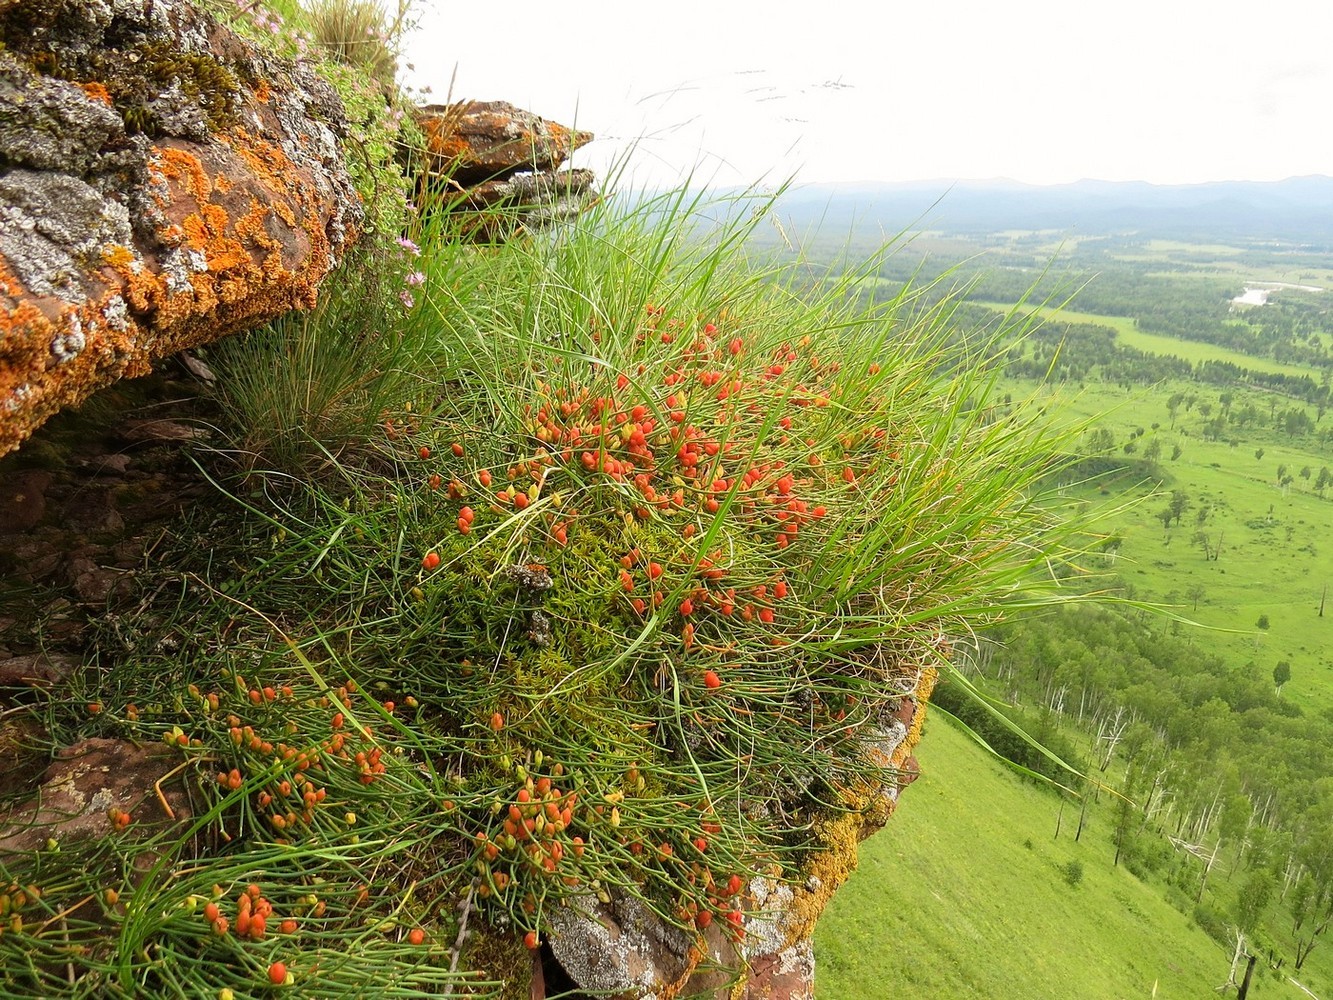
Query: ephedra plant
x=632 y=545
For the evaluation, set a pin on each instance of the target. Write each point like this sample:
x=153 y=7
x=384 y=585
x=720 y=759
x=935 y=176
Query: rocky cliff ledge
x=164 y=184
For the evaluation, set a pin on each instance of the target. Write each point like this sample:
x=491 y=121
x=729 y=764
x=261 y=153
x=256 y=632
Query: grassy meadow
x=1272 y=557
x=1193 y=351
x=965 y=894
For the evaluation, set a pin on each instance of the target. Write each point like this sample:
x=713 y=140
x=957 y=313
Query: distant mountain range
x=1297 y=210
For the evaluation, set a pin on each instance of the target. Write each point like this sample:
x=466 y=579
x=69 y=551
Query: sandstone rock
x=23 y=499
x=84 y=783
x=500 y=165
x=162 y=184
x=477 y=141
x=36 y=669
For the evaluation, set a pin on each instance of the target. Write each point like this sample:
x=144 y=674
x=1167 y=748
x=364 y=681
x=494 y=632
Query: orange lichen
x=96 y=91
x=118 y=256
x=252 y=228
x=262 y=91
x=178 y=164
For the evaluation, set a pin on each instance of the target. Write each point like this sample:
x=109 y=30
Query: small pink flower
x=414 y=279
x=405 y=297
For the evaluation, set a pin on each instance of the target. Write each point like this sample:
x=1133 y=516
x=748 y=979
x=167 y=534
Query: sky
x=736 y=92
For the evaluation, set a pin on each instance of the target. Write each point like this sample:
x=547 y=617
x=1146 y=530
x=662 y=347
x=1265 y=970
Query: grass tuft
x=596 y=569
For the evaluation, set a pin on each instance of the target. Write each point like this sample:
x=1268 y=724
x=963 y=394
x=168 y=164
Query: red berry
x=431 y=560
x=277 y=973
x=423 y=451
x=457 y=449
x=416 y=935
x=531 y=940
x=711 y=679
x=497 y=721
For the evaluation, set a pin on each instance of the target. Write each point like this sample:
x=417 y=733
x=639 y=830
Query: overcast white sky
x=1168 y=91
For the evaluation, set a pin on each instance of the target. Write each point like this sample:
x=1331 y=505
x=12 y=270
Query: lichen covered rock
x=499 y=168
x=92 y=787
x=477 y=141
x=163 y=184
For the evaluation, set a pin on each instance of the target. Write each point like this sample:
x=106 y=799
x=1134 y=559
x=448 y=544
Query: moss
x=502 y=958
x=132 y=78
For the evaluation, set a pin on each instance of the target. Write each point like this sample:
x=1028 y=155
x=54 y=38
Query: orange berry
x=277 y=973
x=457 y=449
x=416 y=936
x=431 y=560
x=711 y=679
x=532 y=941
x=497 y=721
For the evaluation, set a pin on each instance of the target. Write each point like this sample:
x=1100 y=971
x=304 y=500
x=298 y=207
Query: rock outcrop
x=620 y=948
x=501 y=166
x=93 y=787
x=162 y=183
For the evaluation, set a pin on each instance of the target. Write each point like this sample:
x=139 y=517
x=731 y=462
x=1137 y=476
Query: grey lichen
x=53 y=228
x=48 y=124
x=618 y=947
x=69 y=343
x=766 y=932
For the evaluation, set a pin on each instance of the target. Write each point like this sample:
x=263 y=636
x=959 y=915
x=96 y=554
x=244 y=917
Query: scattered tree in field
x=1180 y=501
x=1206 y=410
x=1101 y=441
x=1073 y=873
x=1173 y=406
x=1306 y=472
x=1201 y=538
x=1281 y=674
x=1165 y=515
x=1195 y=592
x=1258 y=453
x=1322 y=482
x=1296 y=422
x=1131 y=447
x=1176 y=452
x=1153 y=451
x=1262 y=622
x=1281 y=471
